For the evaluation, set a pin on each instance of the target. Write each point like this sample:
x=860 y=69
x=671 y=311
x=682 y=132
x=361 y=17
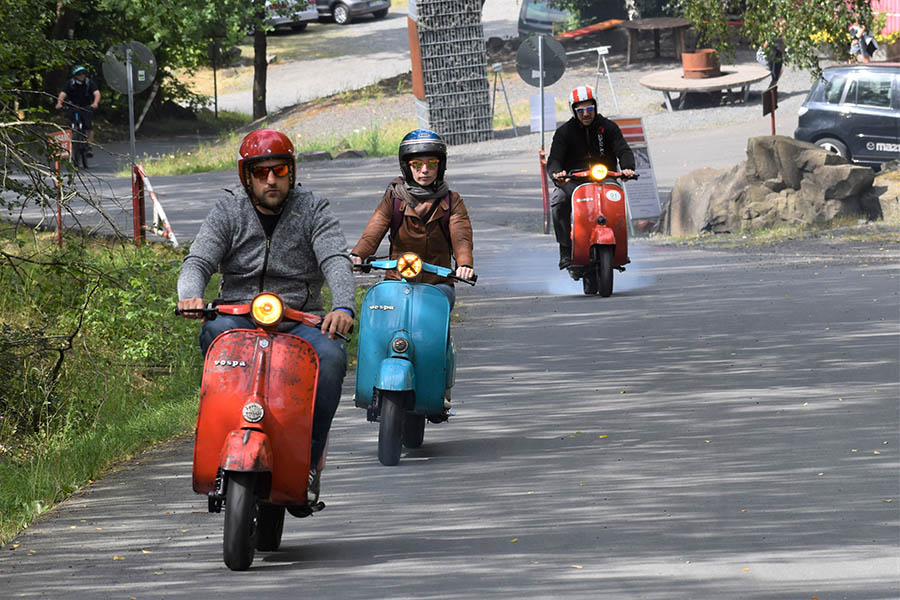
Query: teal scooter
x=406 y=361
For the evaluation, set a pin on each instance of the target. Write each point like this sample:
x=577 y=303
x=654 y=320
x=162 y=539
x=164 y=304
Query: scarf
x=413 y=195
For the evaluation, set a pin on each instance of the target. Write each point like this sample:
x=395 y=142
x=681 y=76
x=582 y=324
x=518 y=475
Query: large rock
x=782 y=182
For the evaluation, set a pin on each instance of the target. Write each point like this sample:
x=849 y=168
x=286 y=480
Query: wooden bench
x=732 y=77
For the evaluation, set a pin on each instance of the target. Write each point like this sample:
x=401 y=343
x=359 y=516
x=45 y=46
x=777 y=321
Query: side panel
x=612 y=206
x=423 y=312
x=276 y=369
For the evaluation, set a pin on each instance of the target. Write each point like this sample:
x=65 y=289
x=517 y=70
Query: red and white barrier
x=160 y=223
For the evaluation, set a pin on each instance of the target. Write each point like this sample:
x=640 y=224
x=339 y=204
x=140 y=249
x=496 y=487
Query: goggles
x=418 y=164
x=263 y=172
x=585 y=110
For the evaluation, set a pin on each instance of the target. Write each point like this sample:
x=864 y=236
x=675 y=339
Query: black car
x=854 y=111
x=344 y=11
x=537 y=16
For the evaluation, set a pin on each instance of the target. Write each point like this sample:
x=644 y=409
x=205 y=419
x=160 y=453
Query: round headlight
x=599 y=172
x=267 y=309
x=400 y=345
x=409 y=265
x=253 y=412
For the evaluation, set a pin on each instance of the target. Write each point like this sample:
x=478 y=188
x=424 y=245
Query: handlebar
x=367 y=266
x=211 y=311
x=586 y=174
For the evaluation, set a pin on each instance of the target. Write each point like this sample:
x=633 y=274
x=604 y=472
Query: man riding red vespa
x=283 y=239
x=587 y=139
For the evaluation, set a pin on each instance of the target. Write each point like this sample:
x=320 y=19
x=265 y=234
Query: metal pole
x=541 y=81
x=130 y=102
x=508 y=107
x=215 y=86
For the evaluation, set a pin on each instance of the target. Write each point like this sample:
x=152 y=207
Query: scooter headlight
x=409 y=265
x=253 y=412
x=267 y=309
x=599 y=172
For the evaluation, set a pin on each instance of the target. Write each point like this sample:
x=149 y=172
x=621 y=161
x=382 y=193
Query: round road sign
x=143 y=67
x=528 y=60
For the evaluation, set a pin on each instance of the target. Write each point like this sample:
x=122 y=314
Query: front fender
x=246 y=450
x=603 y=236
x=396 y=374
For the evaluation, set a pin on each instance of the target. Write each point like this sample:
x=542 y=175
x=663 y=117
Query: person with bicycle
x=588 y=138
x=81 y=94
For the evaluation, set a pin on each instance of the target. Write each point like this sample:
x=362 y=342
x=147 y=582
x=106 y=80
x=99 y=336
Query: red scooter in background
x=254 y=425
x=599 y=228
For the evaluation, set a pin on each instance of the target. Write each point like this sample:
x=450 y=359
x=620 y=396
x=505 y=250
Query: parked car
x=290 y=14
x=537 y=16
x=854 y=111
x=345 y=11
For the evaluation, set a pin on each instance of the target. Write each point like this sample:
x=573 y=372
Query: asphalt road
x=724 y=426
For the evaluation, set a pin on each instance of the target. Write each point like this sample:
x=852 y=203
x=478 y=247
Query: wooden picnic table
x=732 y=77
x=678 y=26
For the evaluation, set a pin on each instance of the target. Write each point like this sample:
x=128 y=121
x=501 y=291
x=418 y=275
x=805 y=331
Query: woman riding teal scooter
x=407 y=362
x=423 y=217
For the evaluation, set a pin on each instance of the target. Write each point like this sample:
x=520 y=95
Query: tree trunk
x=259 y=62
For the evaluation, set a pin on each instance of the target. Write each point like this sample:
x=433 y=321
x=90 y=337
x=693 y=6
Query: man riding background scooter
x=422 y=214
x=275 y=237
x=587 y=139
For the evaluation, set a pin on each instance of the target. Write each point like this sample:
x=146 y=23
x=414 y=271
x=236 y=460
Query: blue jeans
x=449 y=291
x=332 y=368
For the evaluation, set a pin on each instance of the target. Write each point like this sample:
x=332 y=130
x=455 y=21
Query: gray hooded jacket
x=307 y=248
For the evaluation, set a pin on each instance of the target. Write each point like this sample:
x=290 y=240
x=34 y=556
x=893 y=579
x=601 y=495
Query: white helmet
x=582 y=93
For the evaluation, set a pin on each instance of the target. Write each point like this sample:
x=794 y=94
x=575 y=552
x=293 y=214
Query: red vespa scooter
x=254 y=426
x=599 y=229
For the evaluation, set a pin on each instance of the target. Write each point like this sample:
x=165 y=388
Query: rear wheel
x=413 y=430
x=589 y=280
x=271 y=524
x=341 y=14
x=241 y=520
x=79 y=148
x=834 y=146
x=605 y=271
x=389 y=428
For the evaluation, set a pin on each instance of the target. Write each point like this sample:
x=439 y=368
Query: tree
x=803 y=26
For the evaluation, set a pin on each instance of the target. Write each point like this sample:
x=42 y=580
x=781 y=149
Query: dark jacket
x=425 y=239
x=578 y=147
x=80 y=94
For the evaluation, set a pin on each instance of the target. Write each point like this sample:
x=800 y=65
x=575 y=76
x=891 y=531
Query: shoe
x=312 y=490
x=565 y=257
x=89 y=154
x=576 y=272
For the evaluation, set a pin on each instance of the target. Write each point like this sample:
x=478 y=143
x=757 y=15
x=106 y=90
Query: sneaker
x=312 y=490
x=576 y=272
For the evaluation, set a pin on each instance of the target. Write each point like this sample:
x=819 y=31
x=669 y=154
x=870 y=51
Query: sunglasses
x=263 y=172
x=418 y=164
x=584 y=110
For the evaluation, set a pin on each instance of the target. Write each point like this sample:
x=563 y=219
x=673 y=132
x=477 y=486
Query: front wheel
x=413 y=430
x=270 y=527
x=341 y=14
x=605 y=271
x=380 y=14
x=389 y=428
x=241 y=520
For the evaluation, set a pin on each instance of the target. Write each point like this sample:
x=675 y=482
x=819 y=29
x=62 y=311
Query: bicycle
x=79 y=139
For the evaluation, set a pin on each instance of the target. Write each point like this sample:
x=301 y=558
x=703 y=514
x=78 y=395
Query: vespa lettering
x=230 y=363
x=380 y=307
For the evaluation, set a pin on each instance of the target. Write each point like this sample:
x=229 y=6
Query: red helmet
x=582 y=93
x=263 y=144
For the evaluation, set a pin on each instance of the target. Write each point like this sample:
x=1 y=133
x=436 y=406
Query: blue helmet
x=78 y=69
x=422 y=142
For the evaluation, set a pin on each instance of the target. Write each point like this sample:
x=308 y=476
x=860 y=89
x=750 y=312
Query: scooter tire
x=390 y=428
x=589 y=281
x=270 y=527
x=241 y=521
x=413 y=430
x=605 y=272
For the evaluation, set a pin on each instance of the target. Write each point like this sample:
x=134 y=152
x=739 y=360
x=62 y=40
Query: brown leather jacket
x=425 y=239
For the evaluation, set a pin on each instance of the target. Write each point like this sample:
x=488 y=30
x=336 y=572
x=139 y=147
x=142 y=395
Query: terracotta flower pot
x=701 y=64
